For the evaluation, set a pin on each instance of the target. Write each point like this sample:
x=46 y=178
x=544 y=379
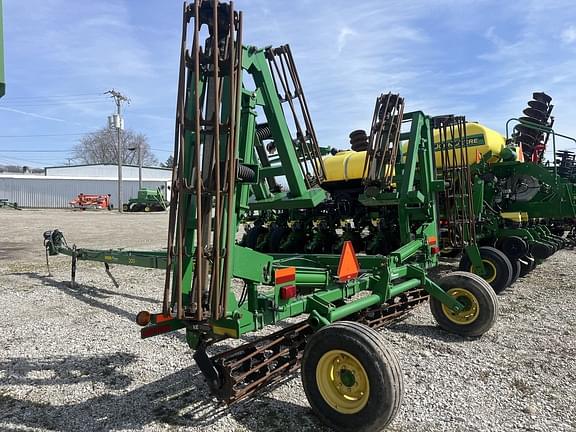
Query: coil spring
x=245 y=173
x=263 y=131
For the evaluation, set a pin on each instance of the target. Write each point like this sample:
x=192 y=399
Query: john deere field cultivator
x=345 y=256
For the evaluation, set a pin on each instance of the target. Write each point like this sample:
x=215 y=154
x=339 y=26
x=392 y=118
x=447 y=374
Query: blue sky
x=479 y=58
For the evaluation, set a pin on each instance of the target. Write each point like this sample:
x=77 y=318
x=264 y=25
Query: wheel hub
x=471 y=309
x=342 y=381
x=490 y=268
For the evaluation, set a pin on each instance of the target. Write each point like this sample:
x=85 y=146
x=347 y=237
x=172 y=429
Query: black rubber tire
x=553 y=245
x=516 y=270
x=380 y=364
x=253 y=236
x=277 y=236
x=513 y=247
x=501 y=263
x=481 y=291
x=527 y=263
x=541 y=250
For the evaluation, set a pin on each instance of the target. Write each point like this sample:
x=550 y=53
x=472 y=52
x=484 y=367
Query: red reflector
x=159 y=318
x=431 y=240
x=284 y=275
x=154 y=330
x=435 y=250
x=287 y=292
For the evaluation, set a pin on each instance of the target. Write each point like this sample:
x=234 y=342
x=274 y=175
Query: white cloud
x=29 y=114
x=343 y=35
x=347 y=53
x=568 y=35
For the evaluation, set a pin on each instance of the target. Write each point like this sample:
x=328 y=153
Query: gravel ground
x=71 y=359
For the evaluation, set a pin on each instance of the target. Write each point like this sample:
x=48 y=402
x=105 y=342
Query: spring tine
x=286 y=80
x=392 y=141
x=367 y=173
x=199 y=262
x=215 y=277
x=457 y=200
x=306 y=113
x=229 y=174
x=174 y=198
x=379 y=142
x=394 y=154
x=383 y=143
x=235 y=80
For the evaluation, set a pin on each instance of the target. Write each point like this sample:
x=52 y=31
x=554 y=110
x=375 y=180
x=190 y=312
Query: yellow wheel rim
x=342 y=381
x=471 y=307
x=491 y=267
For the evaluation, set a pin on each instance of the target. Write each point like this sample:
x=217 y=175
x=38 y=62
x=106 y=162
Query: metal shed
x=56 y=192
x=129 y=172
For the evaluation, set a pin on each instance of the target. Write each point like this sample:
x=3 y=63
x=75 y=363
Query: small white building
x=62 y=184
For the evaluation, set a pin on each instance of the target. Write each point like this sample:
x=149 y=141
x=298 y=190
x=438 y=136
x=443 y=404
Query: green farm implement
x=345 y=256
x=522 y=206
x=4 y=203
x=538 y=200
x=148 y=200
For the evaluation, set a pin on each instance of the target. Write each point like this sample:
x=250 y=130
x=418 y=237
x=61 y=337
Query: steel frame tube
x=371 y=300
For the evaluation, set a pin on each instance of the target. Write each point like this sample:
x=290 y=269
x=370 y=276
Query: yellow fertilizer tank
x=345 y=165
x=479 y=141
x=349 y=165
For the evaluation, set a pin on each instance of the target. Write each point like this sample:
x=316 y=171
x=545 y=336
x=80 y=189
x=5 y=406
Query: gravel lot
x=71 y=359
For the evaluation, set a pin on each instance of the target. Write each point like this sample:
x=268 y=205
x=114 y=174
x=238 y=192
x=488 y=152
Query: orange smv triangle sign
x=348 y=267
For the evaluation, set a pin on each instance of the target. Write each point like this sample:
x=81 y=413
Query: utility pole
x=117 y=122
x=139 y=148
x=139 y=166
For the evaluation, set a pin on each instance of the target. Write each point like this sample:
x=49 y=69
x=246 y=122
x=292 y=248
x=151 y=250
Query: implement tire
x=481 y=305
x=497 y=264
x=351 y=378
x=528 y=263
x=516 y=270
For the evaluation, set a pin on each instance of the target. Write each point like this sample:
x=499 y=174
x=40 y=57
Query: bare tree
x=169 y=162
x=101 y=147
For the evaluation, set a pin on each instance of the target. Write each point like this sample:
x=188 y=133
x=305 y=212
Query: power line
x=59 y=96
x=35 y=151
x=40 y=104
x=46 y=135
x=25 y=160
